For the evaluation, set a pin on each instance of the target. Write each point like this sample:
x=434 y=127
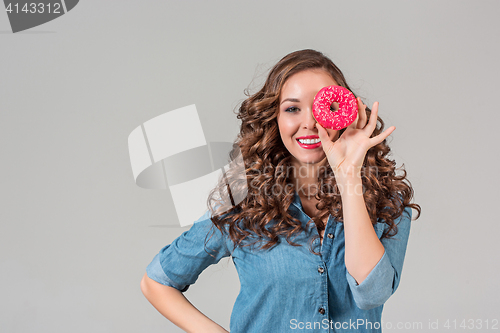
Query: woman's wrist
x=349 y=184
x=348 y=172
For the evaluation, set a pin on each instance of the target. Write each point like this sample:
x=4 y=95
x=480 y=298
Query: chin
x=315 y=159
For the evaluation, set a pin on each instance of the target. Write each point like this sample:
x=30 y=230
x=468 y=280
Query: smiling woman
x=303 y=182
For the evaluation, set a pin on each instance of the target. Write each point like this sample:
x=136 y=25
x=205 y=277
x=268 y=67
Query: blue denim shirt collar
x=296 y=201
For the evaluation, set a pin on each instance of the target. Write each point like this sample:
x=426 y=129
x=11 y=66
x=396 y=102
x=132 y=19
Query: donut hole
x=334 y=107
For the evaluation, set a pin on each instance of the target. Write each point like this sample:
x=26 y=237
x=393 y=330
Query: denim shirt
x=288 y=288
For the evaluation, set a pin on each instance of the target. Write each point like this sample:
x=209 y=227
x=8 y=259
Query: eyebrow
x=295 y=100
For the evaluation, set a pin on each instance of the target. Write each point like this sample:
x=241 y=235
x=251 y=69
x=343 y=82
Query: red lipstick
x=309 y=137
x=309 y=146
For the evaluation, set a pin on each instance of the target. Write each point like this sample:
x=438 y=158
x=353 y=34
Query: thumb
x=326 y=143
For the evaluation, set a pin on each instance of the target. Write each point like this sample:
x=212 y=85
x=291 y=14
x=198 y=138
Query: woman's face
x=295 y=119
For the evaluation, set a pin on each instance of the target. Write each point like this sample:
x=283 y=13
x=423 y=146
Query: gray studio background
x=77 y=233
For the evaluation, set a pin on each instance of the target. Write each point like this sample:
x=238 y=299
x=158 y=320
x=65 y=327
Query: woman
x=292 y=278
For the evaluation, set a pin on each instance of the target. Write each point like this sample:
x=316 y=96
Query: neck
x=305 y=178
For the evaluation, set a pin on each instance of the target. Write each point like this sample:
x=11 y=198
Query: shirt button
x=330 y=236
x=321 y=270
x=321 y=310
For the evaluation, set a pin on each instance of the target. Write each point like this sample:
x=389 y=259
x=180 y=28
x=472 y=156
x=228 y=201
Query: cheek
x=287 y=126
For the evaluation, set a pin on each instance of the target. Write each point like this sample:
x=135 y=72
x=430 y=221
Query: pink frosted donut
x=344 y=116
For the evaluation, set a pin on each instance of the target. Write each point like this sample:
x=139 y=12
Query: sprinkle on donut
x=344 y=116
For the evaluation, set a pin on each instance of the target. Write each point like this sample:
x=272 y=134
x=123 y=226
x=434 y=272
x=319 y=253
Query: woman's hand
x=346 y=155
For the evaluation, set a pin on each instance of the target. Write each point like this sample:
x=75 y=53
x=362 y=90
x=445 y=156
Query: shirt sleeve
x=179 y=264
x=383 y=279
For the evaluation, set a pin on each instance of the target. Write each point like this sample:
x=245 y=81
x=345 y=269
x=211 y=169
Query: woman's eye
x=292 y=109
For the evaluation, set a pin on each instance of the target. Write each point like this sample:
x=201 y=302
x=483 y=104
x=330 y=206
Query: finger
x=324 y=137
x=354 y=124
x=372 y=122
x=361 y=114
x=382 y=136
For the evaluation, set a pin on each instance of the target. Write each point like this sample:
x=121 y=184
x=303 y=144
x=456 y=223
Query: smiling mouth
x=308 y=141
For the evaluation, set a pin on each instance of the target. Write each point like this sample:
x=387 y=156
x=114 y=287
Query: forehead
x=311 y=79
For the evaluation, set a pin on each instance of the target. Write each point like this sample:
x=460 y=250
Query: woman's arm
x=373 y=266
x=174 y=306
x=363 y=249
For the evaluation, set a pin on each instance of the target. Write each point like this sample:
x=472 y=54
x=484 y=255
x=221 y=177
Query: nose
x=308 y=120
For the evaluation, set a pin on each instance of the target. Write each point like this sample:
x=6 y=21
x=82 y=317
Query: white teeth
x=309 y=141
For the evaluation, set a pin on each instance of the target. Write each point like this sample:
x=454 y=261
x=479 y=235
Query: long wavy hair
x=262 y=215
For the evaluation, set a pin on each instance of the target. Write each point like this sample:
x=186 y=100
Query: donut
x=344 y=116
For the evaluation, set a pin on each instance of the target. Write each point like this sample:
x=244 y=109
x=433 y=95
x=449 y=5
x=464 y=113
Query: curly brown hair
x=263 y=214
